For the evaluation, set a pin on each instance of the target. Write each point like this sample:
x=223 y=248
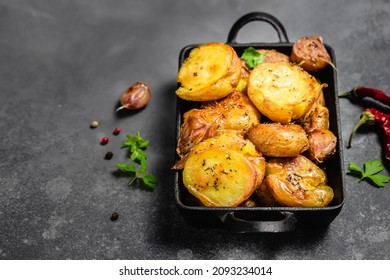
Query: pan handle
x=287 y=223
x=257 y=16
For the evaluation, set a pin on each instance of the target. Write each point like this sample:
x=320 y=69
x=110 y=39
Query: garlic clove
x=135 y=97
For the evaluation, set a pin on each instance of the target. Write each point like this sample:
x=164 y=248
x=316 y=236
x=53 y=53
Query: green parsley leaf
x=252 y=57
x=136 y=145
x=373 y=167
x=137 y=154
x=370 y=172
x=149 y=180
x=144 y=166
x=136 y=141
x=353 y=167
x=126 y=167
x=380 y=179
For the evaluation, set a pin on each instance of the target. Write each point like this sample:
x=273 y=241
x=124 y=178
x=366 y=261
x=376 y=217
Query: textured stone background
x=65 y=63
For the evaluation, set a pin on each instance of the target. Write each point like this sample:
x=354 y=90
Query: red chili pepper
x=361 y=92
x=370 y=117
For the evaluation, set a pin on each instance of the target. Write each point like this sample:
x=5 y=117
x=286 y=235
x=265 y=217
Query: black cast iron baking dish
x=268 y=219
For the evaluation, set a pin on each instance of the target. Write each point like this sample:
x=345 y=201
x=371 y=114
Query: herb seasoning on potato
x=211 y=72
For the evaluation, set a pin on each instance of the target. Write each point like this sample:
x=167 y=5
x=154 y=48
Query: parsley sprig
x=252 y=57
x=138 y=168
x=370 y=172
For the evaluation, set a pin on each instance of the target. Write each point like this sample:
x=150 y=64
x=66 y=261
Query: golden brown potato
x=310 y=53
x=211 y=72
x=278 y=140
x=297 y=182
x=234 y=112
x=281 y=91
x=224 y=170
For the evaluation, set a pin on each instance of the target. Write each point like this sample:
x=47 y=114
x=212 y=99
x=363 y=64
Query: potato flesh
x=211 y=72
x=228 y=140
x=281 y=91
x=205 y=66
x=224 y=170
x=218 y=178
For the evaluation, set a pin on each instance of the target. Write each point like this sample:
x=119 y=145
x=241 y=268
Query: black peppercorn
x=114 y=216
x=108 y=155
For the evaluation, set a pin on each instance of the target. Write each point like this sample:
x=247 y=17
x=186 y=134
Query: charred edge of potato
x=211 y=72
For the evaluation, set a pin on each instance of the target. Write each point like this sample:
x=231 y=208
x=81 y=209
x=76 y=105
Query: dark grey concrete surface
x=65 y=63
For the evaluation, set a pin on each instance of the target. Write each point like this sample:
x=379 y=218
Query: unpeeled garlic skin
x=136 y=97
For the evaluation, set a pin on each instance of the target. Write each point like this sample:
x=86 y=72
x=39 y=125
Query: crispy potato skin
x=281 y=91
x=211 y=72
x=224 y=170
x=297 y=182
x=278 y=140
x=236 y=111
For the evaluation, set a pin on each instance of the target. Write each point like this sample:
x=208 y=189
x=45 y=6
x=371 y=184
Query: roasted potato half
x=211 y=72
x=281 y=91
x=278 y=140
x=297 y=182
x=224 y=170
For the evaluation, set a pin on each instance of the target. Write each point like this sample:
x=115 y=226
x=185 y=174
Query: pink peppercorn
x=104 y=140
x=116 y=131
